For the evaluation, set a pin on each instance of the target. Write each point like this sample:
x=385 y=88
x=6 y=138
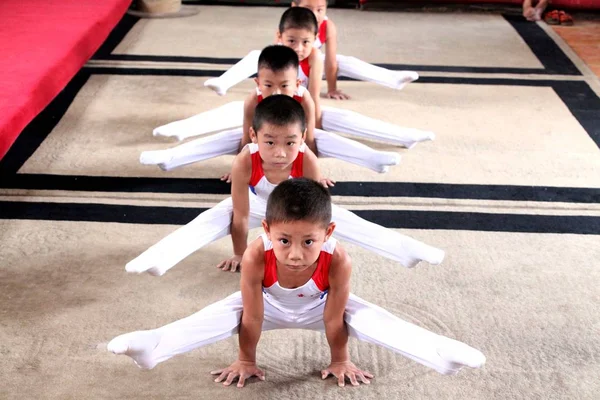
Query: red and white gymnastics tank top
x=304 y=72
x=298 y=94
x=306 y=297
x=259 y=184
x=322 y=35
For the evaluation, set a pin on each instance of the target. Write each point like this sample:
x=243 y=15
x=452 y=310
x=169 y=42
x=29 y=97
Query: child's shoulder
x=251 y=100
x=242 y=164
x=315 y=55
x=329 y=26
x=340 y=256
x=256 y=249
x=253 y=261
x=341 y=263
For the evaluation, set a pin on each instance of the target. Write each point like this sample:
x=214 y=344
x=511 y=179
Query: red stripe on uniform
x=257 y=169
x=323 y=32
x=270 y=277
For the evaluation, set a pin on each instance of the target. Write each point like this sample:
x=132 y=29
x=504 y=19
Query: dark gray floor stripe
x=110 y=184
x=584 y=225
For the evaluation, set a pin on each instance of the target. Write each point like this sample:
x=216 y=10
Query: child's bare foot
x=530 y=14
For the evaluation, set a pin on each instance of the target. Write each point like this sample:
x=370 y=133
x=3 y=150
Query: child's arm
x=252 y=318
x=240 y=177
x=249 y=107
x=335 y=327
x=309 y=110
x=331 y=65
x=314 y=82
x=310 y=169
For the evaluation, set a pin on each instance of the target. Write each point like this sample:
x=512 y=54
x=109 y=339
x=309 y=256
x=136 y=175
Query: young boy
x=335 y=65
x=296 y=276
x=277 y=74
x=277 y=152
x=298 y=29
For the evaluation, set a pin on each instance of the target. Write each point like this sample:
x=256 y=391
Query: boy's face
x=318 y=7
x=297 y=245
x=299 y=40
x=278 y=145
x=270 y=82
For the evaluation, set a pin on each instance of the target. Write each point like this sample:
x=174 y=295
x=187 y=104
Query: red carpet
x=43 y=44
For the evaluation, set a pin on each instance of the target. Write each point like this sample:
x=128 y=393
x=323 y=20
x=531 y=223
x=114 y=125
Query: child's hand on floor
x=346 y=369
x=239 y=369
x=327 y=182
x=226 y=177
x=232 y=264
x=337 y=95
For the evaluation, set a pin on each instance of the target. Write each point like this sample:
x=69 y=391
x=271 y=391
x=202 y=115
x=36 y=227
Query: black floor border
x=554 y=60
x=116 y=36
x=430 y=220
x=577 y=95
x=40 y=127
x=579 y=98
x=108 y=184
x=395 y=67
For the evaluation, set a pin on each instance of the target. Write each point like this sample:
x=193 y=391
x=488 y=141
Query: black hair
x=278 y=58
x=298 y=18
x=299 y=199
x=279 y=110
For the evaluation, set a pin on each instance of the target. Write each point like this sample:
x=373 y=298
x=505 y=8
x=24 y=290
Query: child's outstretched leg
x=209 y=226
x=335 y=146
x=213 y=323
x=227 y=116
x=219 y=144
x=244 y=69
x=386 y=242
x=354 y=68
x=445 y=355
x=339 y=120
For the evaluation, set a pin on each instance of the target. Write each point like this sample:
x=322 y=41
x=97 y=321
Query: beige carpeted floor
x=528 y=301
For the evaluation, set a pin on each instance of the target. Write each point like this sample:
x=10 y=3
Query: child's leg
x=244 y=69
x=354 y=68
x=209 y=226
x=339 y=120
x=213 y=323
x=445 y=355
x=227 y=116
x=386 y=242
x=332 y=145
x=219 y=144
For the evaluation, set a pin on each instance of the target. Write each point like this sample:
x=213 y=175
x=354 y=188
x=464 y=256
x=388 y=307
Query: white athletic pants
x=366 y=322
x=348 y=66
x=215 y=223
x=228 y=142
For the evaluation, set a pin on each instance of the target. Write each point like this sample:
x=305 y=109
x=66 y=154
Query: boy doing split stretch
x=335 y=64
x=296 y=276
x=277 y=74
x=277 y=153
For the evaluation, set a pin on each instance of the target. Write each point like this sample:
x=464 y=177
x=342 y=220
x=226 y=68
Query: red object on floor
x=570 y=4
x=43 y=43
